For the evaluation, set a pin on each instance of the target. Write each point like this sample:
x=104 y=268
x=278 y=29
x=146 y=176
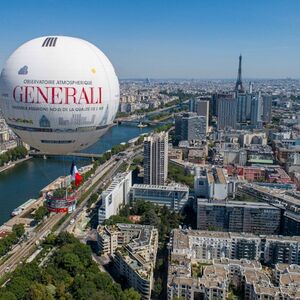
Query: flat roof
x=235 y=204
x=174 y=187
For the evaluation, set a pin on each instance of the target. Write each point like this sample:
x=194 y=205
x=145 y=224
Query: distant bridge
x=136 y=119
x=77 y=154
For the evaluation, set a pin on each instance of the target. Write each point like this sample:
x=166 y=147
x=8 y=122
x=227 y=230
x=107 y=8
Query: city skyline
x=200 y=40
x=165 y=167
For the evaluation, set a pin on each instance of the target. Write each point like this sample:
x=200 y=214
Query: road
x=106 y=172
x=108 y=169
x=110 y=172
x=28 y=247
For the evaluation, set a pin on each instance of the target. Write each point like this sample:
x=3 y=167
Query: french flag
x=75 y=175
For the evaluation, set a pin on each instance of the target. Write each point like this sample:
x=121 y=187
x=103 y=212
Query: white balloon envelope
x=59 y=94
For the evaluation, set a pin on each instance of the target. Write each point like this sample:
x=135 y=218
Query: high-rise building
x=156 y=158
x=267 y=108
x=213 y=106
x=190 y=126
x=256 y=112
x=241 y=109
x=192 y=104
x=250 y=87
x=201 y=107
x=244 y=107
x=213 y=102
x=227 y=113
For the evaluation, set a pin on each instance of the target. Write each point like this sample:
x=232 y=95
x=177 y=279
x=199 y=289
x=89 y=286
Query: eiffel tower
x=239 y=85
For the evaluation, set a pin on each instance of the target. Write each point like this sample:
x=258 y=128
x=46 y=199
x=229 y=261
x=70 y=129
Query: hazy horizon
x=168 y=39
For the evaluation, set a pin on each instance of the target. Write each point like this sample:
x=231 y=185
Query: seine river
x=25 y=180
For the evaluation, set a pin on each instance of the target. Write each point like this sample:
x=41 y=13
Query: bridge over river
x=76 y=154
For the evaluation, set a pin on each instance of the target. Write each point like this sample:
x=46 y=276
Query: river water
x=24 y=181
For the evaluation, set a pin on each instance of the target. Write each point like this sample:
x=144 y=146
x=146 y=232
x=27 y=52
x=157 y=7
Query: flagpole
x=66 y=190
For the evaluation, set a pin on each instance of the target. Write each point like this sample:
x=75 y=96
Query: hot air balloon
x=59 y=94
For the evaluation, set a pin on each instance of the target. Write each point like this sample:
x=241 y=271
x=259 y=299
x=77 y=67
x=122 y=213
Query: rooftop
x=116 y=181
x=171 y=187
x=285 y=197
x=195 y=273
x=259 y=205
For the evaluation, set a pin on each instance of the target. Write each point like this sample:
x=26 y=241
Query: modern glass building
x=173 y=196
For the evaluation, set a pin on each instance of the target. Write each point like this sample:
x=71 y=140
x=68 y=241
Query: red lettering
x=83 y=96
x=29 y=94
x=100 y=95
x=55 y=96
x=92 y=95
x=68 y=89
x=20 y=98
x=41 y=93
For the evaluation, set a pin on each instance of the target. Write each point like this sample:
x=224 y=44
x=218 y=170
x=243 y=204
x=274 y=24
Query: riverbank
x=27 y=179
x=14 y=163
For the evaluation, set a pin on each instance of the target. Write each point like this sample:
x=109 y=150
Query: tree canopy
x=70 y=273
x=11 y=239
x=13 y=154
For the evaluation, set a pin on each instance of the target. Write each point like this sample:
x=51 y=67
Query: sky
x=168 y=38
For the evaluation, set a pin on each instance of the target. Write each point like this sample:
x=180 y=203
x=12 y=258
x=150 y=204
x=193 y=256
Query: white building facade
x=115 y=196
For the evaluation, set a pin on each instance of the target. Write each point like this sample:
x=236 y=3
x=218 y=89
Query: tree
x=18 y=229
x=40 y=213
x=70 y=273
x=70 y=262
x=7 y=242
x=150 y=218
x=84 y=254
x=60 y=291
x=132 y=294
x=157 y=287
x=117 y=219
x=125 y=211
x=93 y=199
x=101 y=295
x=102 y=281
x=178 y=174
x=19 y=285
x=38 y=291
x=66 y=238
x=13 y=154
x=4 y=295
x=84 y=289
